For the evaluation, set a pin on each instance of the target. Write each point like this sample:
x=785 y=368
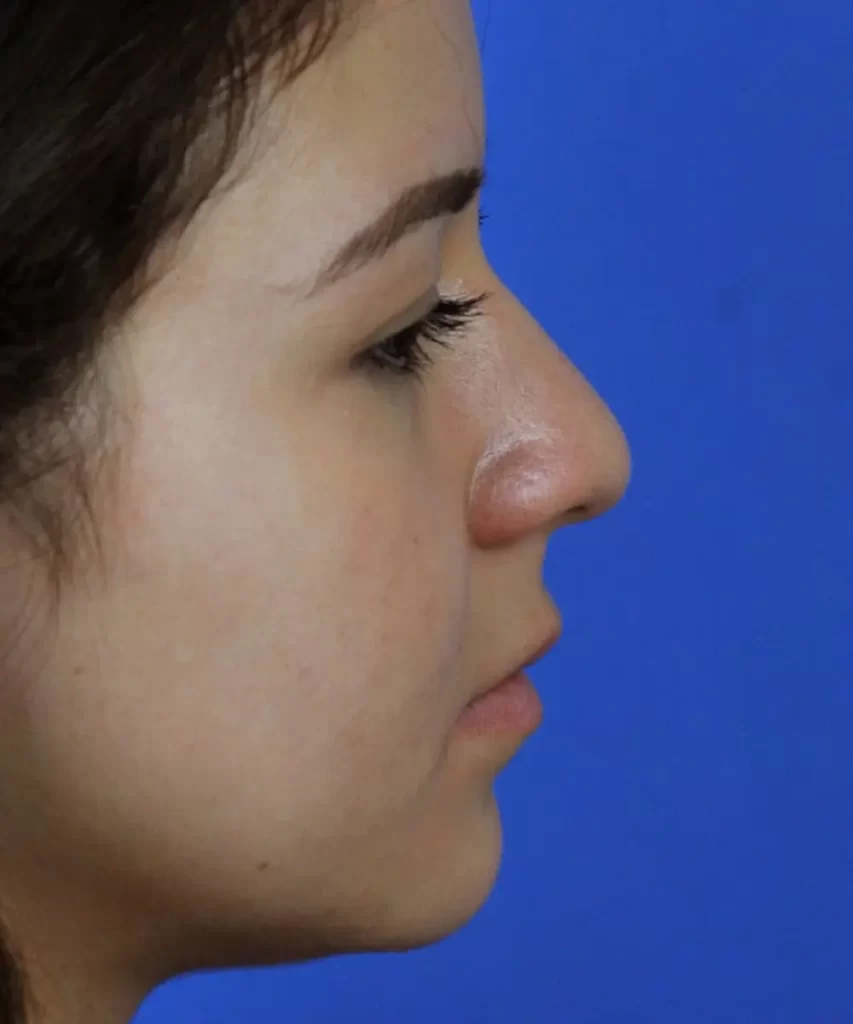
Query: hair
x=118 y=119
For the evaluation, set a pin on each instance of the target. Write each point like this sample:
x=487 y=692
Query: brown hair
x=102 y=105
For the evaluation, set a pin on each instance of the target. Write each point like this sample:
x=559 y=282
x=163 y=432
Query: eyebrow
x=447 y=194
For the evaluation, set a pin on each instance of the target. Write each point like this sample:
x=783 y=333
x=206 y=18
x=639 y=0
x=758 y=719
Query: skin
x=242 y=749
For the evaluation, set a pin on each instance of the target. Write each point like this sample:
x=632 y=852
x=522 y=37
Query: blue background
x=670 y=194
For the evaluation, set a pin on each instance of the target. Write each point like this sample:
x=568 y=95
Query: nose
x=554 y=454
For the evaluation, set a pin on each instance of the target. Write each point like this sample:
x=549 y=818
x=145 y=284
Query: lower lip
x=513 y=706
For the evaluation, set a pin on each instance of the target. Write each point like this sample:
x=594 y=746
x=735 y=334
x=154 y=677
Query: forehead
x=402 y=78
x=396 y=98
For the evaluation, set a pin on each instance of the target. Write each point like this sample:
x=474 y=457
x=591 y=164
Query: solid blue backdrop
x=670 y=194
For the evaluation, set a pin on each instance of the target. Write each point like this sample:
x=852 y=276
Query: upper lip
x=535 y=651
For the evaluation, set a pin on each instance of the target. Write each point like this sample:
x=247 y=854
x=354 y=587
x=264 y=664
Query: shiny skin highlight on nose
x=552 y=453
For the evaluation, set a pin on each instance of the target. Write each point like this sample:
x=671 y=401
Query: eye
x=407 y=353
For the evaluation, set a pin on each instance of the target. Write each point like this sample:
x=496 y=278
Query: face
x=244 y=746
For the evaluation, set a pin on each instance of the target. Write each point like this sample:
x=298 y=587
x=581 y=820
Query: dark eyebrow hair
x=450 y=193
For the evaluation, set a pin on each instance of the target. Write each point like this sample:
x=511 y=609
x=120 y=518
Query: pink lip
x=540 y=652
x=512 y=706
x=550 y=643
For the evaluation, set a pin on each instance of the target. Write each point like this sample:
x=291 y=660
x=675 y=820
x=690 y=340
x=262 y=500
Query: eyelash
x=445 y=320
x=405 y=354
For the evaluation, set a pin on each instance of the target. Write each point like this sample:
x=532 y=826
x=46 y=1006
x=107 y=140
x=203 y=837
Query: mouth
x=536 y=651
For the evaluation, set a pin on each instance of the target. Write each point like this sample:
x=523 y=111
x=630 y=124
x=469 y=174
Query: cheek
x=391 y=586
x=285 y=647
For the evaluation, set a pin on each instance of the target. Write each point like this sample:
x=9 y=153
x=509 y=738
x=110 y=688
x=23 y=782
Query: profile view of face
x=244 y=746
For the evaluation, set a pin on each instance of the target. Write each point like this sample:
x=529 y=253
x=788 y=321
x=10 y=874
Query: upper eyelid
x=387 y=334
x=468 y=305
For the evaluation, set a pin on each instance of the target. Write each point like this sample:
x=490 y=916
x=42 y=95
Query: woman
x=281 y=457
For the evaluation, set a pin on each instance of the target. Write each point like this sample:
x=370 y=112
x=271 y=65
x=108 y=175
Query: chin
x=438 y=895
